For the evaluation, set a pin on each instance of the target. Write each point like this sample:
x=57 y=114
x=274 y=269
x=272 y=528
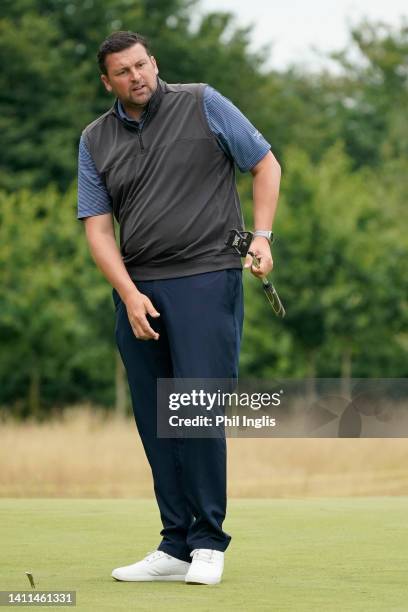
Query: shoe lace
x=155 y=554
x=202 y=554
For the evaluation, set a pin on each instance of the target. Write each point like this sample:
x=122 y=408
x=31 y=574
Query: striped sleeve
x=236 y=135
x=93 y=198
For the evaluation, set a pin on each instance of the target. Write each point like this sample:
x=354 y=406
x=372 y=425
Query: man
x=162 y=161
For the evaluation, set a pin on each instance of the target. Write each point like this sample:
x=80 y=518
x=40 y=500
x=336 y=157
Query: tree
x=373 y=92
x=55 y=310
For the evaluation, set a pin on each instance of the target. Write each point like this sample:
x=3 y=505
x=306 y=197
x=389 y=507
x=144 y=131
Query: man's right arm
x=100 y=234
x=94 y=209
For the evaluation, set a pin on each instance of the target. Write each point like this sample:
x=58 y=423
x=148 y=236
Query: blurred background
x=328 y=90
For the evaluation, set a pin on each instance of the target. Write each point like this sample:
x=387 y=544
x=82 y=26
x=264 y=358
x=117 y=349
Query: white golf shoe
x=206 y=567
x=157 y=565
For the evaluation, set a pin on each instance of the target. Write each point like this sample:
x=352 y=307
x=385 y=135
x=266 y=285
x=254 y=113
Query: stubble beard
x=135 y=101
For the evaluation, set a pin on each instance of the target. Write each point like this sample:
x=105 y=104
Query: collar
x=148 y=112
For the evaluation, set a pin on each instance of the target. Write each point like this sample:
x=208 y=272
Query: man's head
x=128 y=70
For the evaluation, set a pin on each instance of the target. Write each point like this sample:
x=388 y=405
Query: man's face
x=131 y=76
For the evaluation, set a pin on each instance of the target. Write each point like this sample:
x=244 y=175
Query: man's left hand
x=260 y=247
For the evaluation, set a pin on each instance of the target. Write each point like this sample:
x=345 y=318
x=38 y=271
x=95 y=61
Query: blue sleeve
x=93 y=198
x=239 y=139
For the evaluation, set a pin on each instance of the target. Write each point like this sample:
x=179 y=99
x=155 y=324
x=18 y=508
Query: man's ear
x=105 y=81
x=156 y=68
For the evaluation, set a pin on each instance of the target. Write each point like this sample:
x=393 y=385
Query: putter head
x=239 y=241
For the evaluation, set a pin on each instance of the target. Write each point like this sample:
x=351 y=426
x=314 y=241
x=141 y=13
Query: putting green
x=320 y=555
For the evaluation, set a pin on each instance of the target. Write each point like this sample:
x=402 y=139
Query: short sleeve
x=236 y=135
x=93 y=198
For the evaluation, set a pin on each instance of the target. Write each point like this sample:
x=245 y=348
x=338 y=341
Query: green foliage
x=56 y=315
x=374 y=92
x=341 y=241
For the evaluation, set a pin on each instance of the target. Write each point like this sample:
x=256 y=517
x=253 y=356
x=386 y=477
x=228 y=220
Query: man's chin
x=140 y=98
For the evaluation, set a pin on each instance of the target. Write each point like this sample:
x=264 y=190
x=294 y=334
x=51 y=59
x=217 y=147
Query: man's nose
x=135 y=74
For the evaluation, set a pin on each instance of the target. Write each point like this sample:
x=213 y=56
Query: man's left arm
x=243 y=143
x=266 y=180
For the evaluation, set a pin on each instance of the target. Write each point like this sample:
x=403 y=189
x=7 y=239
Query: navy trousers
x=200 y=327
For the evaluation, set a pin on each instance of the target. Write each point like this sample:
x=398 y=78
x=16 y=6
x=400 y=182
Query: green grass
x=320 y=555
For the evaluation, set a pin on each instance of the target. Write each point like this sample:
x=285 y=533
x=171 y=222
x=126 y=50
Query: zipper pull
x=139 y=133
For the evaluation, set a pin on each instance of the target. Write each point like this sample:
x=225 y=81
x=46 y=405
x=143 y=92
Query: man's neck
x=135 y=111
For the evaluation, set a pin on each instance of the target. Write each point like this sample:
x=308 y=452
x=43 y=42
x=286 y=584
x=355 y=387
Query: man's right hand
x=100 y=233
x=138 y=306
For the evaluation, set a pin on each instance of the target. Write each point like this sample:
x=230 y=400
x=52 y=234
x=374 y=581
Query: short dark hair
x=118 y=41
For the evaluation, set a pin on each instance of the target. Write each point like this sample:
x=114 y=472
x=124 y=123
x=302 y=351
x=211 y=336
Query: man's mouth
x=138 y=88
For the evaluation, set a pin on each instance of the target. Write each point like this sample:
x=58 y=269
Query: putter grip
x=273 y=299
